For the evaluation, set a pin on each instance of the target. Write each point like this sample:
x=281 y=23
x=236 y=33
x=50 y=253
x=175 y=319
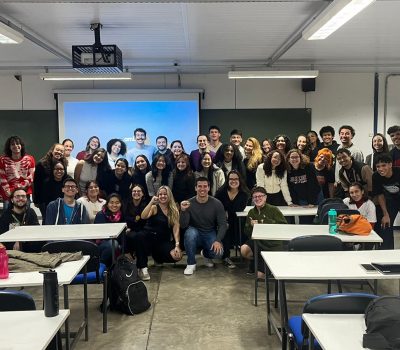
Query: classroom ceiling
x=201 y=37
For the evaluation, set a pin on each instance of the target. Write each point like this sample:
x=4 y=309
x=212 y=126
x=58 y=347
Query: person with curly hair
x=43 y=171
x=228 y=157
x=282 y=143
x=116 y=149
x=323 y=167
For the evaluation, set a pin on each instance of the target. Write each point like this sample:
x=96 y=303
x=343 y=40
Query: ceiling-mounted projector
x=97 y=58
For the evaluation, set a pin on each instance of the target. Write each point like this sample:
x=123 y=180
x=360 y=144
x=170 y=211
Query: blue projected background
x=177 y=120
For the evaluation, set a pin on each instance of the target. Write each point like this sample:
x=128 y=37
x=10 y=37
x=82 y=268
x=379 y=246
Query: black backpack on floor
x=128 y=293
x=382 y=318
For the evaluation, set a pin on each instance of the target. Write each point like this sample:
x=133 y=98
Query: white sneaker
x=208 y=262
x=190 y=269
x=229 y=263
x=144 y=274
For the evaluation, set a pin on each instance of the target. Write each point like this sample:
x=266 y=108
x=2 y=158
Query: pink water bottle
x=3 y=263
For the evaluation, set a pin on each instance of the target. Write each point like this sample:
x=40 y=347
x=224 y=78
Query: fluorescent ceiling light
x=9 y=35
x=273 y=74
x=81 y=76
x=333 y=17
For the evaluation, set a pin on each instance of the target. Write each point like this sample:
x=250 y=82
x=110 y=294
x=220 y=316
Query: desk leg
x=283 y=312
x=66 y=306
x=85 y=300
x=311 y=341
x=239 y=239
x=255 y=271
x=268 y=301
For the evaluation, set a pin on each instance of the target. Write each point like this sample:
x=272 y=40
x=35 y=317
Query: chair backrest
x=328 y=203
x=348 y=211
x=12 y=300
x=319 y=243
x=340 y=303
x=86 y=247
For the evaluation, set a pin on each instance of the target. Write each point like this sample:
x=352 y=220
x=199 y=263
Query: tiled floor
x=210 y=310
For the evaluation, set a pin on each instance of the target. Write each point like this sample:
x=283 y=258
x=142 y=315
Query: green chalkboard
x=259 y=123
x=38 y=129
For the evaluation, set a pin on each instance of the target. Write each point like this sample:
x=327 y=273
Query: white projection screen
x=116 y=114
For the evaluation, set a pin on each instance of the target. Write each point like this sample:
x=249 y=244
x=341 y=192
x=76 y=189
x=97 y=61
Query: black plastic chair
x=12 y=300
x=319 y=243
x=324 y=220
x=342 y=303
x=96 y=271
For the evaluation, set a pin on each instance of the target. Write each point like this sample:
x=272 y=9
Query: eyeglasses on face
x=233 y=179
x=70 y=187
x=259 y=196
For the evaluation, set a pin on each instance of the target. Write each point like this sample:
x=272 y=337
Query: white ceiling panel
x=372 y=36
x=202 y=37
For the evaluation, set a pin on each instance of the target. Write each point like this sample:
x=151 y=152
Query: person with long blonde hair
x=160 y=236
x=253 y=158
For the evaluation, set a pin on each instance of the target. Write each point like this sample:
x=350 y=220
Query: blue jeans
x=194 y=239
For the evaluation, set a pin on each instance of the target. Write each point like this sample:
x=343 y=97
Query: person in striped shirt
x=16 y=169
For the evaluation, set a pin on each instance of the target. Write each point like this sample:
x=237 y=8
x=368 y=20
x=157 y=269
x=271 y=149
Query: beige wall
x=340 y=98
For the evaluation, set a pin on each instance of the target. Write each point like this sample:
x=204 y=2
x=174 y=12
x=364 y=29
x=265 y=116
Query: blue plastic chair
x=341 y=303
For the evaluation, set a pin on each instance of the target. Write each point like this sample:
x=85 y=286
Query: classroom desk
x=66 y=272
x=64 y=233
x=286 y=211
x=309 y=266
x=30 y=330
x=336 y=331
x=286 y=232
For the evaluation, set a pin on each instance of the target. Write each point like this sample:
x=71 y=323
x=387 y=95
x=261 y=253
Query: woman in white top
x=92 y=168
x=72 y=162
x=209 y=170
x=92 y=201
x=359 y=201
x=272 y=175
x=116 y=149
x=379 y=145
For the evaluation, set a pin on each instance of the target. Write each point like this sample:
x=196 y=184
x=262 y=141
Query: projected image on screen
x=177 y=120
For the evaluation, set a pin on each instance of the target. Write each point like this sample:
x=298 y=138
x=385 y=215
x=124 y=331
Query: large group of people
x=174 y=201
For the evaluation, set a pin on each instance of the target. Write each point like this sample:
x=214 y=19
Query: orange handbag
x=355 y=224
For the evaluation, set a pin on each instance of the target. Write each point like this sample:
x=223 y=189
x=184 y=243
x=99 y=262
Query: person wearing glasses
x=66 y=210
x=262 y=213
x=19 y=214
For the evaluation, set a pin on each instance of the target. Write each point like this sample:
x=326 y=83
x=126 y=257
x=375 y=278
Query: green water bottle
x=332 y=215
